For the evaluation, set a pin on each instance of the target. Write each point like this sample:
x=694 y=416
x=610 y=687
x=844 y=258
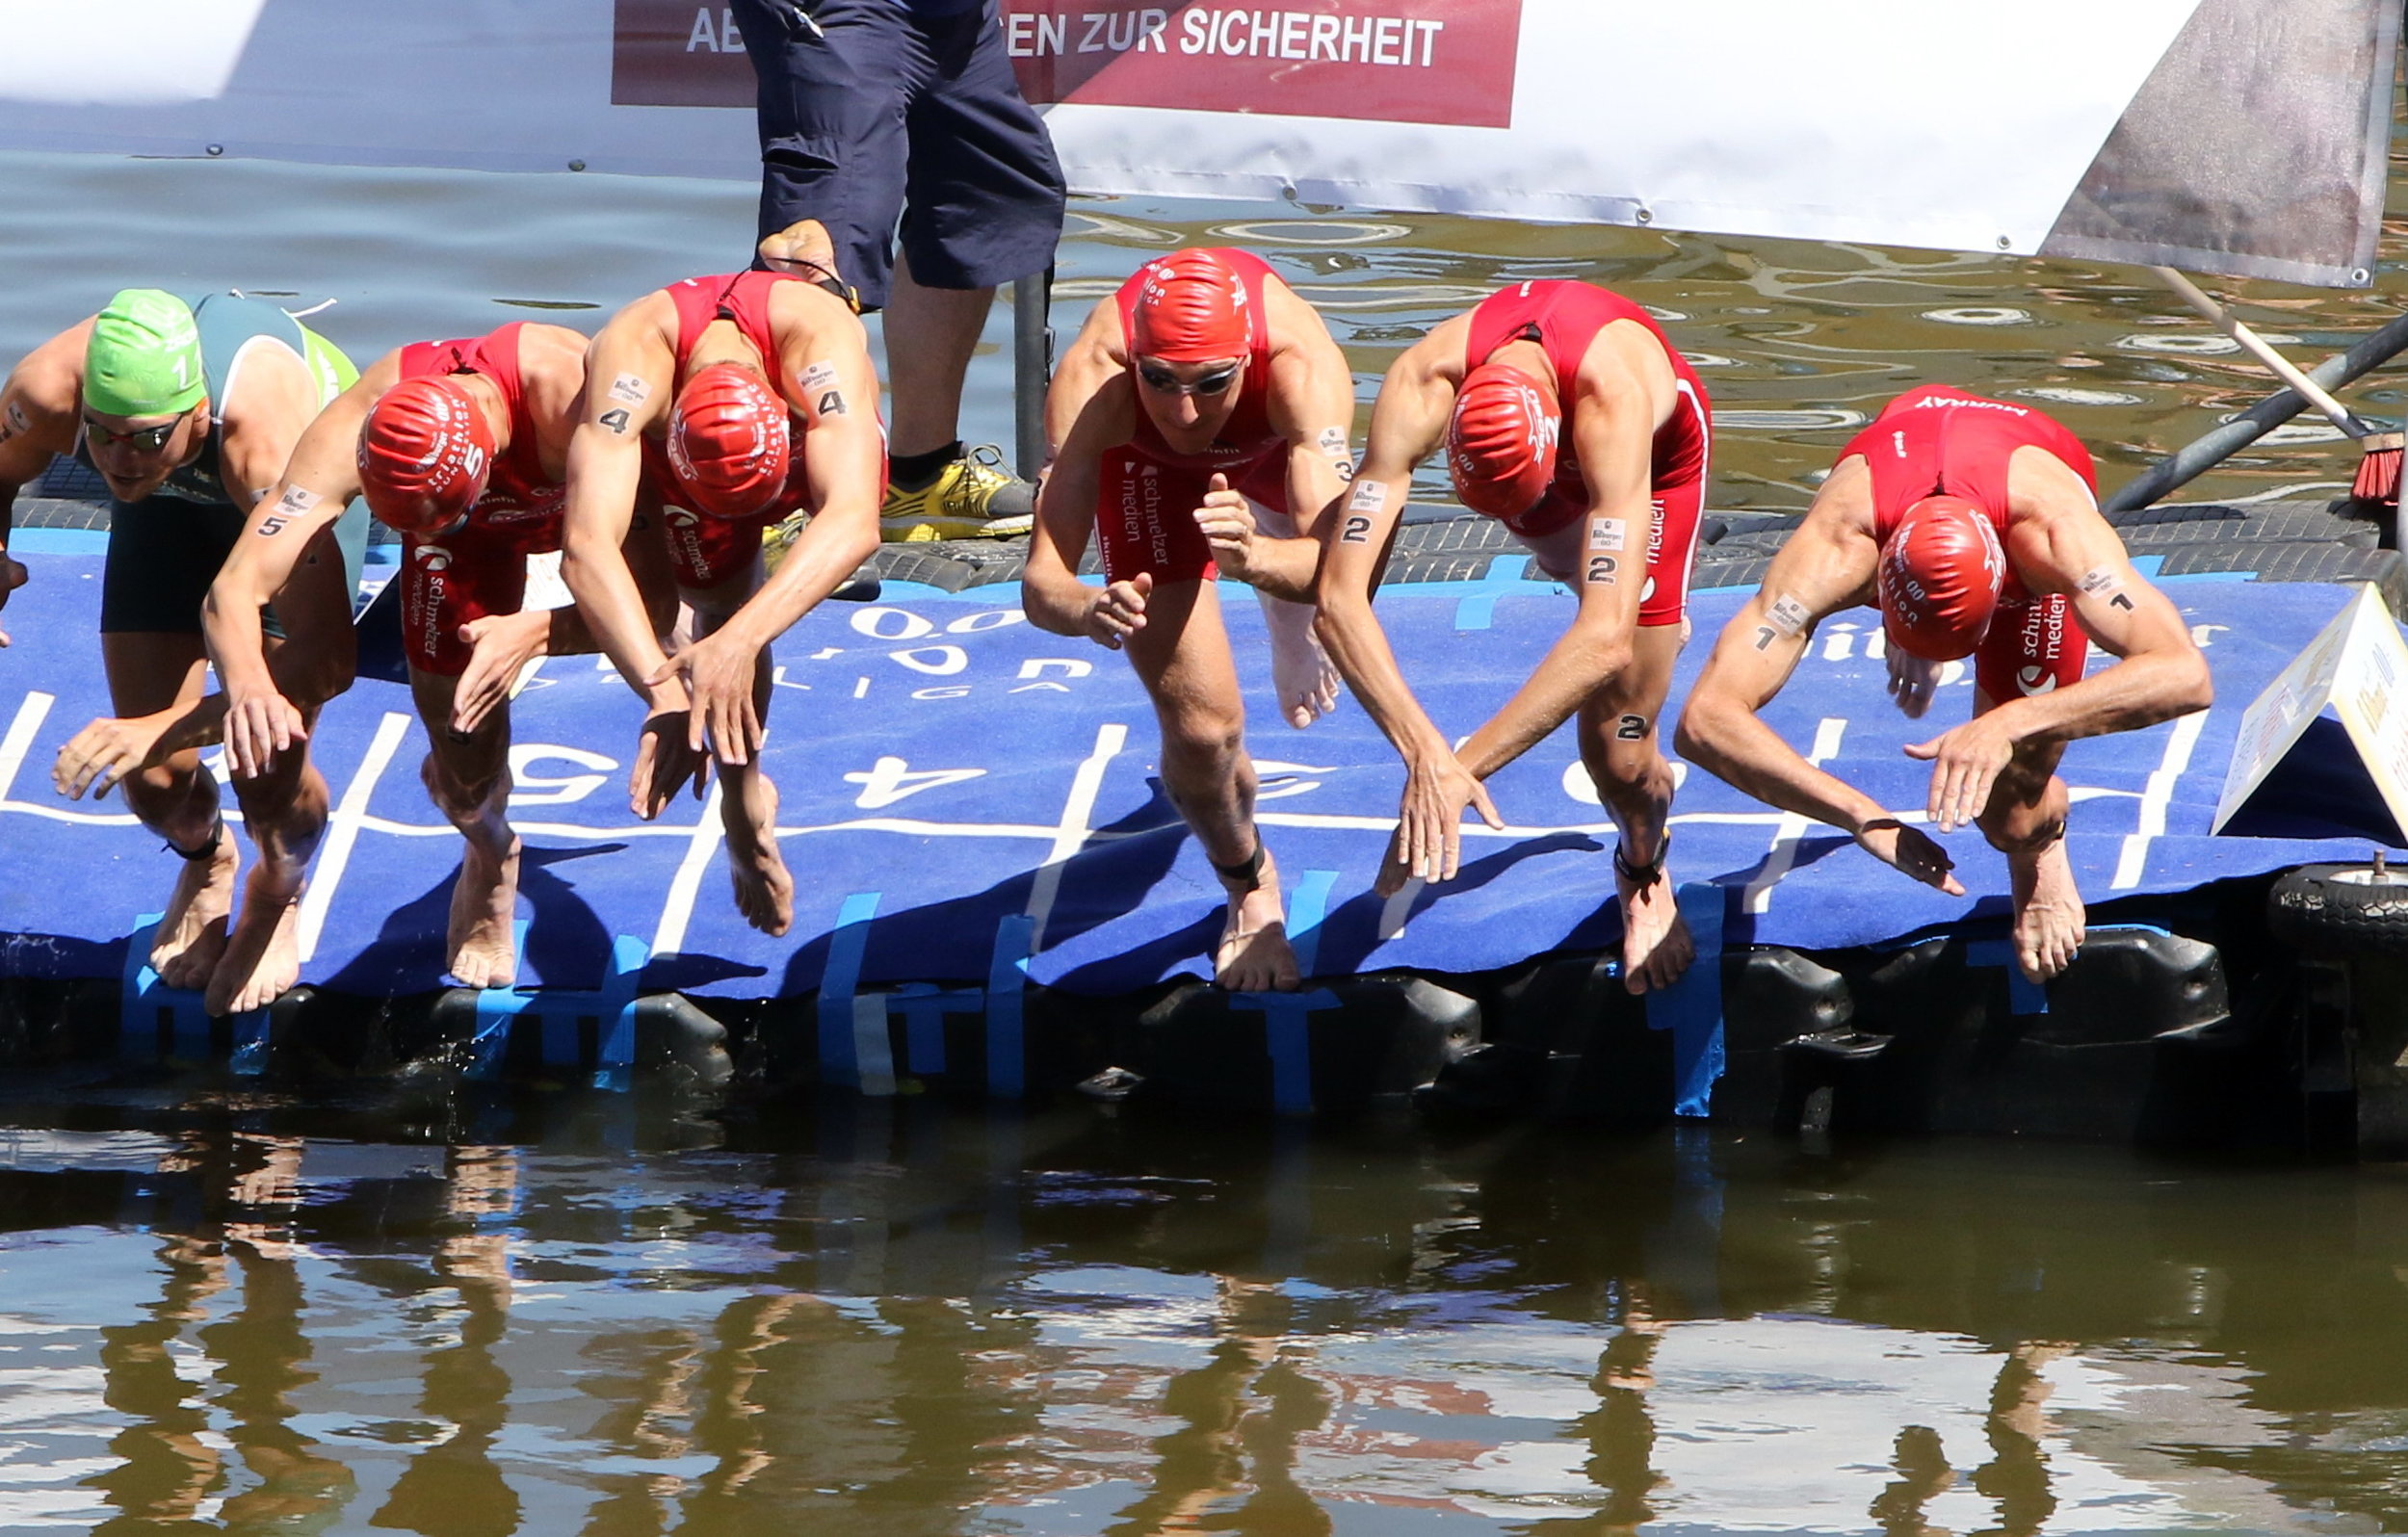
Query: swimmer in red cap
x=461 y=447
x=752 y=398
x=1569 y=417
x=1200 y=426
x=1974 y=525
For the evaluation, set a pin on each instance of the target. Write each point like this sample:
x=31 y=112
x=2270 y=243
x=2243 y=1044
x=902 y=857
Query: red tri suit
x=1565 y=317
x=481 y=568
x=1936 y=440
x=706 y=550
x=1147 y=492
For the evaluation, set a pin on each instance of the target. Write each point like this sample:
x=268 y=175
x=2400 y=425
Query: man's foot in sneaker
x=956 y=494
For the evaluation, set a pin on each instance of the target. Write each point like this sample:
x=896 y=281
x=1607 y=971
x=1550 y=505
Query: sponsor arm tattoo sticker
x=1788 y=618
x=1361 y=507
x=2104 y=581
x=296 y=502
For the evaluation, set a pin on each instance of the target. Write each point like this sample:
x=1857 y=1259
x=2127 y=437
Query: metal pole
x=1032 y=366
x=2197 y=458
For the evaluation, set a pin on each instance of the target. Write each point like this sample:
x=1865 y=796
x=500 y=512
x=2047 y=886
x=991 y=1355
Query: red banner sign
x=1398 y=61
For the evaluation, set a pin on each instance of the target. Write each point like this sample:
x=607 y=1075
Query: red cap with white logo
x=729 y=442
x=1939 y=579
x=1191 y=308
x=1500 y=443
x=425 y=453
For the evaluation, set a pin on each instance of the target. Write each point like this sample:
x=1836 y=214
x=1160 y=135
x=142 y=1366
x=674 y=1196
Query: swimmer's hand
x=1966 y=762
x=717 y=672
x=664 y=765
x=1910 y=852
x=11 y=578
x=103 y=754
x=1429 y=843
x=1227 y=520
x=1117 y=611
x=501 y=645
x=1912 y=680
x=259 y=724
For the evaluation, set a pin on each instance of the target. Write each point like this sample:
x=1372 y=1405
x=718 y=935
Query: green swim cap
x=144 y=358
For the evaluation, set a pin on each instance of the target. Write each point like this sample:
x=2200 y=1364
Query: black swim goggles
x=1163 y=381
x=143 y=439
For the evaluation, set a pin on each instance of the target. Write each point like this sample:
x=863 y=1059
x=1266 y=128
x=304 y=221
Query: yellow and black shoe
x=973 y=497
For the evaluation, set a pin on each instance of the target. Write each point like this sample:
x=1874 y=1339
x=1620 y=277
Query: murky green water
x=245 y=1316
x=249 y=1315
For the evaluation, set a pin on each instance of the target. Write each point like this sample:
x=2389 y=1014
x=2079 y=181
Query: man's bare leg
x=1618 y=727
x=284 y=810
x=1303 y=679
x=1181 y=657
x=151 y=671
x=468 y=779
x=2025 y=822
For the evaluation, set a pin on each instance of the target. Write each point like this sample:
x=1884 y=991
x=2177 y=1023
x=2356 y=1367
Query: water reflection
x=896 y=1319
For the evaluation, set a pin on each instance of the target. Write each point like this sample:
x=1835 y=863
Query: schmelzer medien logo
x=1399 y=61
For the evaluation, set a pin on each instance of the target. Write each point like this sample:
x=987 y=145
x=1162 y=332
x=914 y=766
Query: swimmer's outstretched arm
x=2161 y=674
x=39 y=404
x=843 y=456
x=1826 y=566
x=287 y=555
x=1407 y=422
x=1612 y=432
x=629 y=371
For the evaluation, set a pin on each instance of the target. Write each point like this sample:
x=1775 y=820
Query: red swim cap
x=1192 y=309
x=1939 y=580
x=424 y=455
x=1500 y=444
x=729 y=442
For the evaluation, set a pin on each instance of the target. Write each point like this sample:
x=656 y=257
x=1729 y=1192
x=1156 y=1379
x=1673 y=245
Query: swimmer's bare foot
x=1253 y=955
x=1302 y=676
x=765 y=893
x=262 y=959
x=480 y=935
x=191 y=936
x=2048 y=911
x=1656 y=946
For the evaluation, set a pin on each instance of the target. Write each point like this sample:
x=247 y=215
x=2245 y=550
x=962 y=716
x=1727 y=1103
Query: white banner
x=2226 y=136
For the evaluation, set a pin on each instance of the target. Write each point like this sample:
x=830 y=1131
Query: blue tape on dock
x=1287 y=1037
x=250 y=1043
x=2024 y=996
x=924 y=1006
x=1304 y=916
x=1477 y=610
x=496 y=1008
x=1007 y=972
x=1692 y=1008
x=614 y=1057
x=557 y=1009
x=142 y=997
x=843 y=1060
x=1288 y=1017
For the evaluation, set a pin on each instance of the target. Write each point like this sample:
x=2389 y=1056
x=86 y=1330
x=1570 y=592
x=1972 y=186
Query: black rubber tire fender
x=2337 y=911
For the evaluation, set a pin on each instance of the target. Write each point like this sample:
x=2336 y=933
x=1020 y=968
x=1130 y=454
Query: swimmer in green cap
x=188 y=408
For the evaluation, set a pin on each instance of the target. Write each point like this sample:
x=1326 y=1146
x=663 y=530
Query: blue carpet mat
x=948 y=771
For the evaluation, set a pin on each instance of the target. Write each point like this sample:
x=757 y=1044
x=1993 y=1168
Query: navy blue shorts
x=876 y=110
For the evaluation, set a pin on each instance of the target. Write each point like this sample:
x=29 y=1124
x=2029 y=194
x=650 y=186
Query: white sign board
x=2356 y=666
